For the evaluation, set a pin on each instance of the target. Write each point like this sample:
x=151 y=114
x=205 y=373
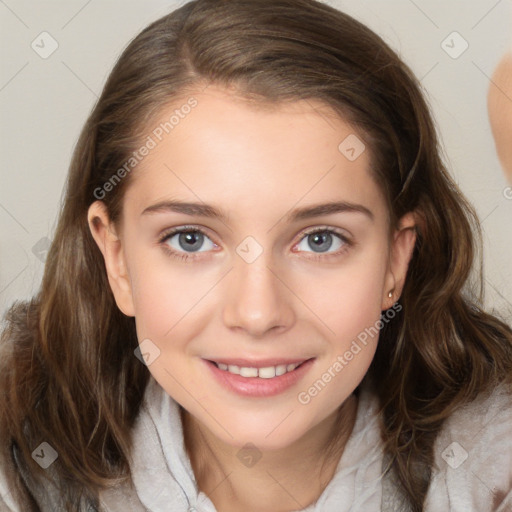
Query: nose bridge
x=256 y=300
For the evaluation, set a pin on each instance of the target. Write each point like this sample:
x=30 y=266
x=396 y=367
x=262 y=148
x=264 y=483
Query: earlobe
x=401 y=251
x=110 y=245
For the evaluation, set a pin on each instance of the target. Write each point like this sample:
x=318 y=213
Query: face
x=250 y=241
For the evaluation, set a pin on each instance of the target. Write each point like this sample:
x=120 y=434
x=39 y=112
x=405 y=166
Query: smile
x=259 y=379
x=267 y=372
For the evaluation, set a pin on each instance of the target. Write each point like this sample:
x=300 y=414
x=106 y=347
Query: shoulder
x=473 y=456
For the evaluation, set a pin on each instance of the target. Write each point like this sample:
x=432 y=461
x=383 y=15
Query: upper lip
x=260 y=363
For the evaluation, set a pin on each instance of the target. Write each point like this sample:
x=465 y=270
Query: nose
x=257 y=301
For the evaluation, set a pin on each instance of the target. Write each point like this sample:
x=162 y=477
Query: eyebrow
x=206 y=210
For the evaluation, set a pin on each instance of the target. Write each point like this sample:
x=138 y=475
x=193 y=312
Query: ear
x=109 y=243
x=400 y=253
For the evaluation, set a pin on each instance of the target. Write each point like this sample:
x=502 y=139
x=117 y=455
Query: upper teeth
x=264 y=373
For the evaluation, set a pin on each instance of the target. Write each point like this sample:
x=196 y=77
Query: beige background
x=45 y=101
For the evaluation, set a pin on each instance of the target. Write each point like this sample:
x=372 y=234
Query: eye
x=188 y=240
x=324 y=240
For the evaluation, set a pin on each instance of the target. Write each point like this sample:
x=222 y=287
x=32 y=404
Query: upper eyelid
x=166 y=233
x=320 y=229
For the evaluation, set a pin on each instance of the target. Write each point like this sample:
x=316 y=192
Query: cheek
x=349 y=305
x=173 y=300
x=349 y=299
x=160 y=292
x=360 y=306
x=172 y=308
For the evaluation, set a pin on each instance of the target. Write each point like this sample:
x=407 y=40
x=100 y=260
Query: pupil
x=322 y=241
x=191 y=240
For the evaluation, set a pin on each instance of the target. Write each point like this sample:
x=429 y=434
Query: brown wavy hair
x=68 y=372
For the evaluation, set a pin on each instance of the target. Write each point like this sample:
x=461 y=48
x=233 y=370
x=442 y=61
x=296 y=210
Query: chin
x=265 y=434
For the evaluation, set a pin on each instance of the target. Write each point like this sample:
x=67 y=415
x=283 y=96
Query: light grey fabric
x=164 y=479
x=480 y=483
x=473 y=457
x=472 y=468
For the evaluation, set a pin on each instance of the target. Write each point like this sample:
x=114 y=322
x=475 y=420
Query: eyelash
x=192 y=256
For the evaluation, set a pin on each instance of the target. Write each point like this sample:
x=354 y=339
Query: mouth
x=258 y=379
x=263 y=370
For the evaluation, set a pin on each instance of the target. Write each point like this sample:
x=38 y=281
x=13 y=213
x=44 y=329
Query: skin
x=292 y=301
x=500 y=112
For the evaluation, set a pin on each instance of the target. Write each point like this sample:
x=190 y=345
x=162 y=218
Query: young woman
x=257 y=295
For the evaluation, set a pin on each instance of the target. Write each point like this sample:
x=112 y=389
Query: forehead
x=258 y=157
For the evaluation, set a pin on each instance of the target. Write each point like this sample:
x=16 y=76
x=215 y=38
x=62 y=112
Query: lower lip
x=256 y=386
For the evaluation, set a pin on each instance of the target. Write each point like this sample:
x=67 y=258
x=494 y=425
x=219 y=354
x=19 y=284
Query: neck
x=290 y=478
